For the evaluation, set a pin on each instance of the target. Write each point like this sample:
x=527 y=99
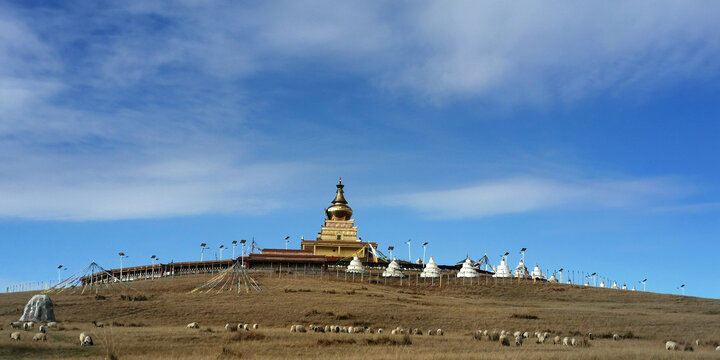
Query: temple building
x=338 y=237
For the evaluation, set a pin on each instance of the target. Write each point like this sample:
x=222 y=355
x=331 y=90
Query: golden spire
x=339 y=210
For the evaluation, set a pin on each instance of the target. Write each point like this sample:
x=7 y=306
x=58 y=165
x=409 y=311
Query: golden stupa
x=338 y=237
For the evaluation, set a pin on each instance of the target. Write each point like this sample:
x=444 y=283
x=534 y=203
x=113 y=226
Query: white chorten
x=553 y=279
x=587 y=283
x=634 y=289
x=521 y=271
x=569 y=281
x=602 y=283
x=503 y=270
x=615 y=285
x=467 y=269
x=355 y=266
x=393 y=270
x=624 y=287
x=537 y=273
x=431 y=270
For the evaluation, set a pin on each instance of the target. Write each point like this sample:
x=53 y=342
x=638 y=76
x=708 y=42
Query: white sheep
x=246 y=327
x=229 y=327
x=39 y=337
x=380 y=330
x=240 y=326
x=526 y=335
x=440 y=332
x=300 y=328
x=591 y=336
x=85 y=340
x=193 y=325
x=517 y=334
x=671 y=345
x=293 y=328
x=573 y=342
x=393 y=332
x=15 y=336
x=98 y=324
x=698 y=342
x=256 y=326
x=518 y=340
x=541 y=339
x=616 y=337
x=52 y=324
x=42 y=329
x=556 y=340
x=717 y=348
x=504 y=340
x=351 y=330
x=566 y=341
x=16 y=325
x=418 y=332
x=28 y=326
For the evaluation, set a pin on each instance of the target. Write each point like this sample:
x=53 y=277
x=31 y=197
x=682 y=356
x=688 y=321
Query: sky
x=584 y=132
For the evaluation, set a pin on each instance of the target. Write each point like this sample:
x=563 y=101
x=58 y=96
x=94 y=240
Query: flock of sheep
x=85 y=339
x=29 y=326
x=360 y=330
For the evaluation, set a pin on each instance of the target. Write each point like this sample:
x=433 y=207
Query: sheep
x=42 y=329
x=240 y=326
x=98 y=324
x=431 y=332
x=566 y=341
x=591 y=336
x=440 y=332
x=556 y=340
x=351 y=330
x=546 y=334
x=52 y=325
x=193 y=325
x=393 y=332
x=485 y=333
x=504 y=340
x=229 y=327
x=39 y=337
x=717 y=348
x=16 y=325
x=573 y=342
x=517 y=334
x=541 y=339
x=418 y=332
x=255 y=326
x=85 y=340
x=293 y=328
x=300 y=328
x=518 y=340
x=15 y=336
x=246 y=327
x=671 y=345
x=698 y=342
x=337 y=329
x=526 y=335
x=616 y=337
x=380 y=330
x=28 y=326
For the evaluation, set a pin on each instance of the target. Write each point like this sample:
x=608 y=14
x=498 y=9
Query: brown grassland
x=156 y=328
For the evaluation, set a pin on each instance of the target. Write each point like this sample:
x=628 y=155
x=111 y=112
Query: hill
x=155 y=328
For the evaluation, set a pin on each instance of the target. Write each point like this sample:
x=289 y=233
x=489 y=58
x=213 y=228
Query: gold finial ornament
x=339 y=210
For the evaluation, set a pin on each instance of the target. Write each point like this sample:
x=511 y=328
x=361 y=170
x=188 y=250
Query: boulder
x=39 y=309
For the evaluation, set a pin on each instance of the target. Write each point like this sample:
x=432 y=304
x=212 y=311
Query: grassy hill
x=155 y=328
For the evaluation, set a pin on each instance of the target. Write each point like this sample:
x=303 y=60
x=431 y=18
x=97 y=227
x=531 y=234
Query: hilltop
x=155 y=327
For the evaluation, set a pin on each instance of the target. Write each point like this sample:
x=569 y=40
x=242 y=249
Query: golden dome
x=339 y=209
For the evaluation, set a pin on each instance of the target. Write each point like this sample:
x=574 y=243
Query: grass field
x=155 y=328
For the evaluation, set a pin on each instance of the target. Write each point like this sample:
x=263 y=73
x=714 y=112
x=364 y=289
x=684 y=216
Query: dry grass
x=155 y=326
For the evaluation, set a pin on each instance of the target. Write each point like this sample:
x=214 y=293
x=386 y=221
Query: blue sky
x=584 y=132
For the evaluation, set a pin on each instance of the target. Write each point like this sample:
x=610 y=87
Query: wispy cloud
x=527 y=194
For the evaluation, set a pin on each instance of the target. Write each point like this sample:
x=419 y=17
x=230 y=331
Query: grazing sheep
x=541 y=339
x=717 y=348
x=255 y=326
x=518 y=340
x=546 y=334
x=15 y=336
x=566 y=341
x=526 y=335
x=616 y=337
x=698 y=342
x=85 y=340
x=98 y=324
x=393 y=332
x=517 y=333
x=28 y=326
x=337 y=329
x=42 y=329
x=351 y=330
x=16 y=325
x=229 y=327
x=671 y=345
x=300 y=328
x=573 y=342
x=556 y=340
x=193 y=325
x=504 y=340
x=39 y=337
x=52 y=324
x=293 y=328
x=440 y=332
x=418 y=332
x=246 y=327
x=380 y=330
x=485 y=333
x=240 y=326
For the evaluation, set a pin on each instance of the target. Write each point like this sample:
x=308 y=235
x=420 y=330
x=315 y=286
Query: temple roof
x=339 y=210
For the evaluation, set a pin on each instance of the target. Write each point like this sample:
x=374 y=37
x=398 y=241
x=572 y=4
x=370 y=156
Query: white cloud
x=527 y=194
